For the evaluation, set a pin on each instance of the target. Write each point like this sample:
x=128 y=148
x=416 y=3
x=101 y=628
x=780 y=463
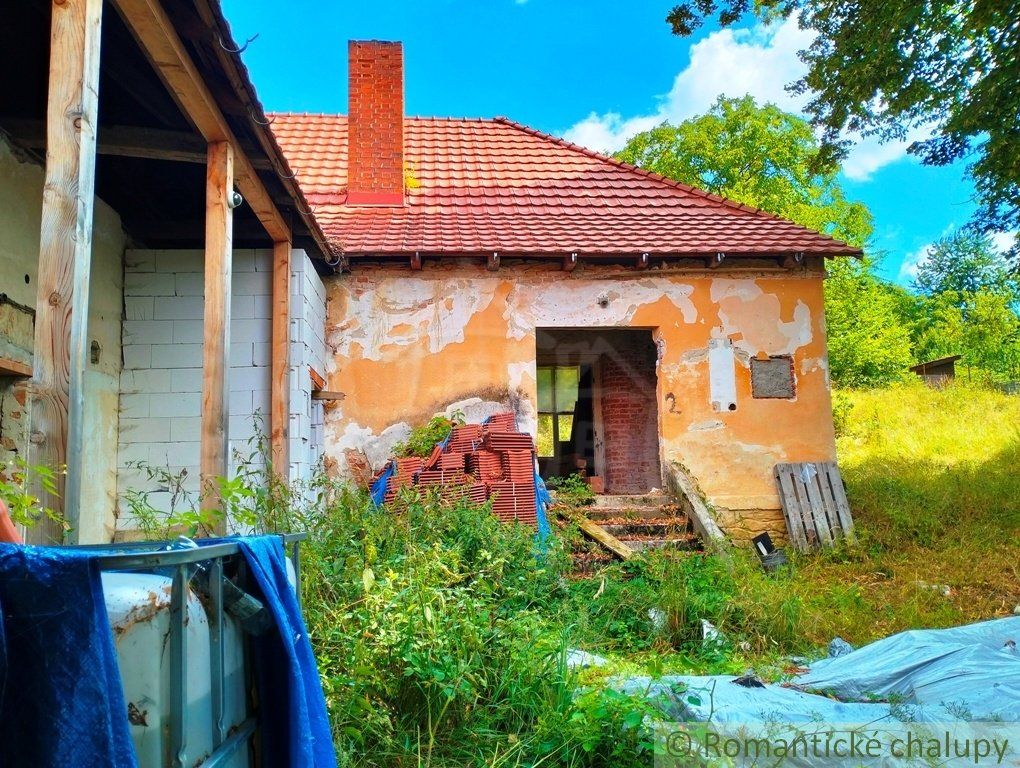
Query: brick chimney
x=375 y=173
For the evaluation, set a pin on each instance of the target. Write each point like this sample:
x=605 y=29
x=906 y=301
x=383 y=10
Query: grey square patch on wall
x=773 y=378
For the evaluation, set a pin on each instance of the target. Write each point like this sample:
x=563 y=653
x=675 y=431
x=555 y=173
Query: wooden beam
x=416 y=262
x=318 y=383
x=156 y=34
x=325 y=394
x=280 y=388
x=125 y=141
x=65 y=259
x=219 y=184
x=597 y=533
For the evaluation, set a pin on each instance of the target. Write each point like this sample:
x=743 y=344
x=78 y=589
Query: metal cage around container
x=182 y=563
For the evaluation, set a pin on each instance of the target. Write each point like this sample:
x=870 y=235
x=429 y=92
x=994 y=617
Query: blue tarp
x=378 y=489
x=61 y=699
x=293 y=719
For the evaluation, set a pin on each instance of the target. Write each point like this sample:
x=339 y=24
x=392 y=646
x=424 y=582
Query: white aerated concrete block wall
x=307 y=350
x=161 y=382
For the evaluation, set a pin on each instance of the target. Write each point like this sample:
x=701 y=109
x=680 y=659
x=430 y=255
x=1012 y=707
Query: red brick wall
x=376 y=123
x=629 y=417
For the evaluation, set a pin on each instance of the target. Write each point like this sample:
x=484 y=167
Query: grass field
x=934 y=486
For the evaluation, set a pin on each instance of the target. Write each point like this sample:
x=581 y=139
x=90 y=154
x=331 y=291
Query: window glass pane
x=545 y=435
x=566 y=425
x=567 y=380
x=545 y=378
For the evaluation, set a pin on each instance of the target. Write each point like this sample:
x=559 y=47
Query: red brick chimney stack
x=376 y=123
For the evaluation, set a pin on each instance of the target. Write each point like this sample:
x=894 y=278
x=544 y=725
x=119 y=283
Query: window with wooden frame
x=557 y=398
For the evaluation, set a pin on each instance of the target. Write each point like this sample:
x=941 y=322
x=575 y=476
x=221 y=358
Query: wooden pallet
x=814 y=502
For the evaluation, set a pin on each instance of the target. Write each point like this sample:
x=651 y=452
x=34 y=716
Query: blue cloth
x=293 y=719
x=378 y=489
x=542 y=500
x=61 y=700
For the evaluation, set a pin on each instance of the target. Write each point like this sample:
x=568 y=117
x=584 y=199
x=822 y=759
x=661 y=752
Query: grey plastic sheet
x=925 y=697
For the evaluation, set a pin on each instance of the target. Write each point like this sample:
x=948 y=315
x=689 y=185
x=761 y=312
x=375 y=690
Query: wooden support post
x=642 y=261
x=416 y=262
x=492 y=262
x=570 y=262
x=65 y=259
x=219 y=185
x=714 y=261
x=280 y=389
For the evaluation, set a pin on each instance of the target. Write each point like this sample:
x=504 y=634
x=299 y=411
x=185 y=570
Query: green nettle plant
x=572 y=490
x=17 y=480
x=425 y=437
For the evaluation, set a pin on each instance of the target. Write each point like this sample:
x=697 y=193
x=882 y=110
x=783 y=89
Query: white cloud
x=911 y=263
x=1003 y=241
x=761 y=62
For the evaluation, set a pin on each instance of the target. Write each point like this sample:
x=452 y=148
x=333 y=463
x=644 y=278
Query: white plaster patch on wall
x=377 y=449
x=588 y=303
x=474 y=410
x=400 y=311
x=722 y=375
x=517 y=371
x=754 y=318
x=705 y=426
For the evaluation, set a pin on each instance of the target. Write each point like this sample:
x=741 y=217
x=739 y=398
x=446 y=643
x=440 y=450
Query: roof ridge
x=422 y=118
x=656 y=176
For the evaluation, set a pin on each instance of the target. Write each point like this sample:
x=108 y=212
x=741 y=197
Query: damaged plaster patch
x=401 y=312
x=581 y=303
x=376 y=448
x=705 y=426
x=474 y=410
x=754 y=318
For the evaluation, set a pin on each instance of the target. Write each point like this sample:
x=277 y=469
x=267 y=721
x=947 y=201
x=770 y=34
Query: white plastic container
x=138 y=606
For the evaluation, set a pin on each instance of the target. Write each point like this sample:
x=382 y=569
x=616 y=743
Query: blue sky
x=595 y=71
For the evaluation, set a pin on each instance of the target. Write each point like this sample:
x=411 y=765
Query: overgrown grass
x=442 y=634
x=933 y=484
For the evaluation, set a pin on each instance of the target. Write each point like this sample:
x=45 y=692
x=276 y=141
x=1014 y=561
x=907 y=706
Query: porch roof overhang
x=171 y=81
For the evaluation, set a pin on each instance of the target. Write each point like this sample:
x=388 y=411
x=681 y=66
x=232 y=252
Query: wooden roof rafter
x=158 y=38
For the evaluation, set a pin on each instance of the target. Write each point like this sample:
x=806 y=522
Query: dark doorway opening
x=597 y=407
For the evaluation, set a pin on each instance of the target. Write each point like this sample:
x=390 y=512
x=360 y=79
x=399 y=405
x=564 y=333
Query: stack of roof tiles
x=481 y=462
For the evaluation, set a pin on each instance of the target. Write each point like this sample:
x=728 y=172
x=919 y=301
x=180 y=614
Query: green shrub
x=572 y=490
x=425 y=437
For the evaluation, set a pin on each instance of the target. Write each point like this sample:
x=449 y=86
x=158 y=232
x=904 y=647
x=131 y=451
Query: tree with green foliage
x=757 y=155
x=964 y=263
x=762 y=156
x=968 y=305
x=869 y=344
x=885 y=68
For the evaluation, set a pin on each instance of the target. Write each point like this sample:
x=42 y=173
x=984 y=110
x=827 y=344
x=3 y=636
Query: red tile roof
x=478 y=186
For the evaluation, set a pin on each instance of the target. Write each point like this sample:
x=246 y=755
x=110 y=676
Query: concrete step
x=656 y=526
x=631 y=501
x=672 y=542
x=599 y=514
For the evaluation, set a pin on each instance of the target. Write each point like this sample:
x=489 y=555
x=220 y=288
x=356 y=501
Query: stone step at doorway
x=642 y=522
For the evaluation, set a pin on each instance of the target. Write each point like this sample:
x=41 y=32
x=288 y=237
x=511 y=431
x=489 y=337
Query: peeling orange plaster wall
x=407 y=345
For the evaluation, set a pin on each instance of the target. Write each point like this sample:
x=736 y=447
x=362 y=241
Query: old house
x=635 y=325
